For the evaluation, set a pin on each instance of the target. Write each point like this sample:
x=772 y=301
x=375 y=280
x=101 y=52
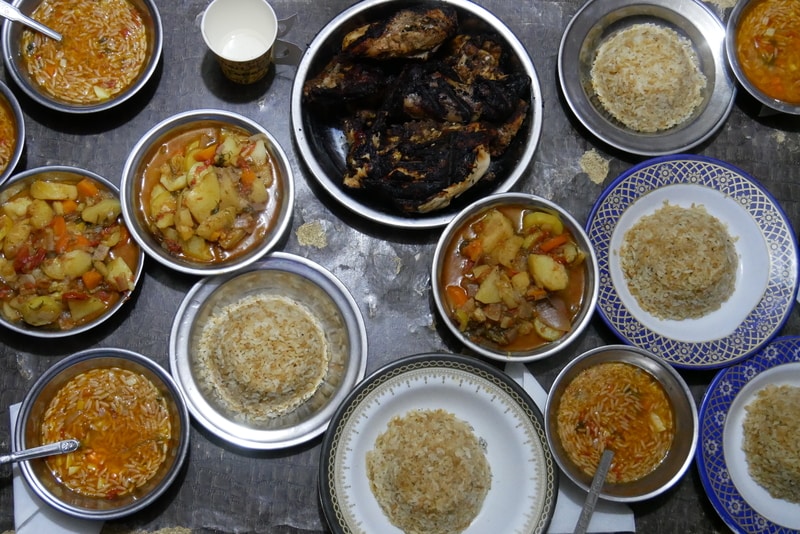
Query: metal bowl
x=306 y=284
x=322 y=145
x=446 y=243
x=739 y=10
x=28 y=428
x=13 y=111
x=72 y=175
x=133 y=177
x=596 y=21
x=15 y=64
x=684 y=443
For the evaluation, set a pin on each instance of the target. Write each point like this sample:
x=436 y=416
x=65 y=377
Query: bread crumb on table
x=593 y=164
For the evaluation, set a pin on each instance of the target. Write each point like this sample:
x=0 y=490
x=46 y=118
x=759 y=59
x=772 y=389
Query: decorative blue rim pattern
x=717 y=482
x=771 y=312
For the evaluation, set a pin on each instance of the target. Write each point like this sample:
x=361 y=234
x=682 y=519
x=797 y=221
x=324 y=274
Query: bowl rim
x=64 y=364
x=587 y=311
x=19 y=119
x=11 y=56
x=305 y=145
x=52 y=334
x=647 y=361
x=154 y=135
x=733 y=61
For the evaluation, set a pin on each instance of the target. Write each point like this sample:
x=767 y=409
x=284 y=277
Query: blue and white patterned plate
x=767 y=275
x=740 y=502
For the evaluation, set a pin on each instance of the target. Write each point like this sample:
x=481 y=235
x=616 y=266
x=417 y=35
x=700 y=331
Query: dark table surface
x=387 y=272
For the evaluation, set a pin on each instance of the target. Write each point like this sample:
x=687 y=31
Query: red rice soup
x=616 y=406
x=102 y=51
x=124 y=428
x=8 y=134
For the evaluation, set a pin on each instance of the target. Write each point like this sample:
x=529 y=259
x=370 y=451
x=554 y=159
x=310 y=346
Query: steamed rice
x=262 y=357
x=679 y=263
x=771 y=434
x=648 y=77
x=429 y=472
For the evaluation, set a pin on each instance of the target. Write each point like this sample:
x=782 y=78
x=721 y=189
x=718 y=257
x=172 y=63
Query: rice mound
x=648 y=77
x=771 y=430
x=263 y=356
x=679 y=263
x=429 y=472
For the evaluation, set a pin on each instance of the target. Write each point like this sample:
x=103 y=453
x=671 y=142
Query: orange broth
x=768 y=48
x=618 y=406
x=124 y=429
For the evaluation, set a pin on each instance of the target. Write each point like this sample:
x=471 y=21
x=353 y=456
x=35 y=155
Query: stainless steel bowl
x=591 y=277
x=14 y=110
x=132 y=181
x=15 y=65
x=739 y=10
x=72 y=174
x=28 y=429
x=680 y=455
x=596 y=21
x=322 y=145
x=303 y=282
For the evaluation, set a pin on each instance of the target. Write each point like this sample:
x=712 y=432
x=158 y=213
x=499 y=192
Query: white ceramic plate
x=596 y=21
x=767 y=279
x=738 y=499
x=524 y=482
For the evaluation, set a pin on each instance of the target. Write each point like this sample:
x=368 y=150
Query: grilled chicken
x=421 y=133
x=409 y=33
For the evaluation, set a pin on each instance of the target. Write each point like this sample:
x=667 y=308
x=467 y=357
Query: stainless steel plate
x=304 y=282
x=597 y=20
x=321 y=143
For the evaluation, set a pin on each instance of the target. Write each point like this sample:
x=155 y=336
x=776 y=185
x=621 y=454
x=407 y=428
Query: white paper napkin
x=608 y=516
x=32 y=516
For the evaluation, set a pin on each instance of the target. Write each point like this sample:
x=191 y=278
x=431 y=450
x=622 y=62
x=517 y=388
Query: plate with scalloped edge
x=740 y=501
x=767 y=273
x=524 y=483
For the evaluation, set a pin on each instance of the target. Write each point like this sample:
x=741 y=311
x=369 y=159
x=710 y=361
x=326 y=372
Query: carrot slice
x=457 y=295
x=69 y=206
x=473 y=249
x=91 y=279
x=87 y=188
x=248 y=177
x=206 y=153
x=553 y=242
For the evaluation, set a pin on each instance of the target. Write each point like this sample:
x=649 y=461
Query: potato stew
x=210 y=192
x=66 y=256
x=514 y=278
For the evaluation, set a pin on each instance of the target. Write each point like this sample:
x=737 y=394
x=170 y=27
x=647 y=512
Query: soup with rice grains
x=102 y=51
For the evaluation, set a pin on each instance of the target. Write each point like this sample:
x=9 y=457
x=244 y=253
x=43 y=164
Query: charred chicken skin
x=421 y=132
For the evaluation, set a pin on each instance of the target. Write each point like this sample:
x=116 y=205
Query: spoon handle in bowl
x=12 y=13
x=59 y=447
x=591 y=499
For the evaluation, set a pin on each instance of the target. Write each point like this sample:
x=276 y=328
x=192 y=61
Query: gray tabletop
x=226 y=490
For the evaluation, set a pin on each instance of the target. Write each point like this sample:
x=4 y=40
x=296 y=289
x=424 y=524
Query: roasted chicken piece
x=345 y=80
x=413 y=32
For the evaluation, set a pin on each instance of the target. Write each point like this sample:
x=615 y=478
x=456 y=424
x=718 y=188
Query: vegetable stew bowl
x=159 y=230
x=739 y=14
x=518 y=289
x=93 y=263
x=16 y=68
x=27 y=433
x=685 y=431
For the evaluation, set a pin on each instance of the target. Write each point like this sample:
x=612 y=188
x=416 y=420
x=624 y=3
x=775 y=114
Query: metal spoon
x=13 y=13
x=59 y=447
x=594 y=490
